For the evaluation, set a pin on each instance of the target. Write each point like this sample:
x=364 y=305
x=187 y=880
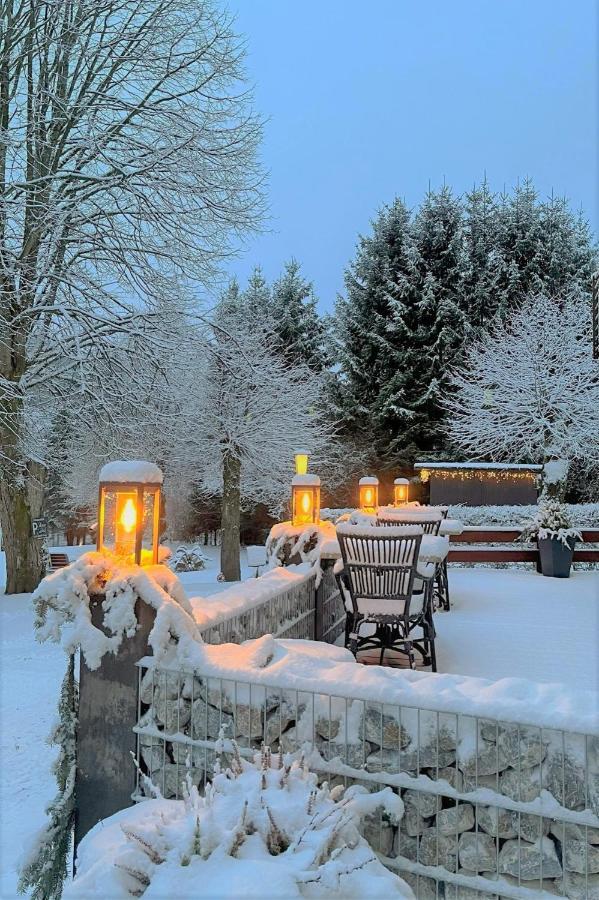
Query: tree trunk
x=229 y=551
x=20 y=502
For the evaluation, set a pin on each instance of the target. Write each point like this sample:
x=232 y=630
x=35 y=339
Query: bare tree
x=128 y=172
x=529 y=389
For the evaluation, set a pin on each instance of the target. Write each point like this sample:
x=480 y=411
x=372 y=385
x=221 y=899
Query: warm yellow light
x=128 y=516
x=306 y=504
x=301 y=463
x=368 y=494
x=400 y=491
x=368 y=497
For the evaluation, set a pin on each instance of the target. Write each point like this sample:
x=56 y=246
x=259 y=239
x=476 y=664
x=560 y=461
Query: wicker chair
x=384 y=584
x=429 y=519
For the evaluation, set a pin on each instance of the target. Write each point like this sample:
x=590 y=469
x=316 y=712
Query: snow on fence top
x=533 y=467
x=125 y=470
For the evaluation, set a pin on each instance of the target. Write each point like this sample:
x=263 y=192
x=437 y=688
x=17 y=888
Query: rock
x=580 y=857
x=455 y=819
x=578 y=887
x=249 y=721
x=423 y=888
x=523 y=860
x=277 y=722
x=450 y=774
x=171 y=778
x=438 y=849
x=379 y=834
x=459 y=892
x=566 y=831
x=522 y=744
x=353 y=755
x=565 y=779
x=200 y=757
x=522 y=786
x=152 y=752
x=383 y=730
x=173 y=714
x=327 y=728
x=490 y=759
x=412 y=760
x=425 y=804
x=477 y=852
x=412 y=823
x=532 y=828
x=497 y=822
x=405 y=845
x=484 y=781
x=206 y=721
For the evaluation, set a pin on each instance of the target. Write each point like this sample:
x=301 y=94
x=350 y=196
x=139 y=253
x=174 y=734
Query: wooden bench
x=58 y=561
x=488 y=534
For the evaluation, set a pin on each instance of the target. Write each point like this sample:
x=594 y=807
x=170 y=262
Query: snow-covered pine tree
x=257 y=295
x=374 y=325
x=45 y=867
x=297 y=324
x=438 y=323
x=483 y=262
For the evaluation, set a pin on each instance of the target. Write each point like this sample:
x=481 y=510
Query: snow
x=308 y=480
x=262 y=829
x=478 y=465
x=121 y=471
x=369 y=479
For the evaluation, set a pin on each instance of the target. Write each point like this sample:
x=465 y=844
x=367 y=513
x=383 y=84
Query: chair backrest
x=380 y=563
x=430 y=522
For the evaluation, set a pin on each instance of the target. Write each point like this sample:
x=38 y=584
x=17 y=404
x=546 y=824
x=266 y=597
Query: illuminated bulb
x=368 y=497
x=128 y=516
x=306 y=503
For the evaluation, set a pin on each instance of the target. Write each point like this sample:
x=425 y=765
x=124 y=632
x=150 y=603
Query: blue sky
x=366 y=101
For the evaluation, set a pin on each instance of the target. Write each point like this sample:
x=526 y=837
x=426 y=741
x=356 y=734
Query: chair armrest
x=338 y=567
x=426 y=570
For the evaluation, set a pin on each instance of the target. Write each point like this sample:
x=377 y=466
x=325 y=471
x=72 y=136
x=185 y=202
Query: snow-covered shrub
x=262 y=829
x=187 y=559
x=551 y=521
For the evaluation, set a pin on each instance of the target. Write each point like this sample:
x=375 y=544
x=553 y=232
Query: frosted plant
x=264 y=824
x=529 y=390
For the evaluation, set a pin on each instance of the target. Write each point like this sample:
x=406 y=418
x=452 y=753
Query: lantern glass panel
x=149 y=526
x=301 y=463
x=401 y=494
x=119 y=519
x=306 y=504
x=369 y=497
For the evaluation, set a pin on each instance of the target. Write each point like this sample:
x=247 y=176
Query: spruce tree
x=374 y=323
x=483 y=262
x=294 y=313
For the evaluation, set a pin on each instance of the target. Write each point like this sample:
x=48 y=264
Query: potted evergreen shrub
x=555 y=537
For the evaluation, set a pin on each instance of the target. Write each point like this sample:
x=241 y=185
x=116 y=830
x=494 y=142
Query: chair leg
x=349 y=624
x=446 y=585
x=353 y=636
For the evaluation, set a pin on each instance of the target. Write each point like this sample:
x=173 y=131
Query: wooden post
x=105 y=777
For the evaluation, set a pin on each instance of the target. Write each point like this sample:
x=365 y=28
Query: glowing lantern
x=129 y=511
x=301 y=462
x=400 y=491
x=305 y=500
x=369 y=494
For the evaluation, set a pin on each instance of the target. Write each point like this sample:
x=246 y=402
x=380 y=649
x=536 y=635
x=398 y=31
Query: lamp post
x=368 y=488
x=129 y=511
x=400 y=491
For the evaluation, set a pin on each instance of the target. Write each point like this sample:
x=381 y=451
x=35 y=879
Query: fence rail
x=492 y=806
x=489 y=537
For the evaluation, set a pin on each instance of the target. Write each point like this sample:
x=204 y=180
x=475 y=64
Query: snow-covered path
x=503 y=623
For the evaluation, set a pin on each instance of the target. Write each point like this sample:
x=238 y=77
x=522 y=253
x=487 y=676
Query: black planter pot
x=556 y=557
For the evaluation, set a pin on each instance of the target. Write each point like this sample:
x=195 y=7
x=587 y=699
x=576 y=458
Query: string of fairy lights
x=480 y=474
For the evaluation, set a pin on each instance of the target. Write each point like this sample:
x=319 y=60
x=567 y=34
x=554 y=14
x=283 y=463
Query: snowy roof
x=477 y=465
x=401 y=481
x=369 y=479
x=139 y=470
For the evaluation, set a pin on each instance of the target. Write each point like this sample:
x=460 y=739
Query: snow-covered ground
x=503 y=623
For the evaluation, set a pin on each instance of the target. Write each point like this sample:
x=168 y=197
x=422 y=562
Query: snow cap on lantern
x=305 y=500
x=400 y=491
x=129 y=510
x=369 y=493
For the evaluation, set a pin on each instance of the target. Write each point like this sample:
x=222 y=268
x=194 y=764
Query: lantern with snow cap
x=400 y=491
x=129 y=511
x=369 y=493
x=305 y=500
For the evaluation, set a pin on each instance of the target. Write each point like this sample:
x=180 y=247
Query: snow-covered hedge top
x=63 y=614
x=580 y=514
x=124 y=470
x=324 y=669
x=533 y=467
x=209 y=611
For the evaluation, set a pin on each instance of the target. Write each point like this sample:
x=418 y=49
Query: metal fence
x=303 y=611
x=492 y=808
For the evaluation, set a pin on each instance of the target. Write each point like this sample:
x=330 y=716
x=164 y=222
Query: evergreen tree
x=374 y=323
x=483 y=262
x=294 y=312
x=257 y=295
x=431 y=333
